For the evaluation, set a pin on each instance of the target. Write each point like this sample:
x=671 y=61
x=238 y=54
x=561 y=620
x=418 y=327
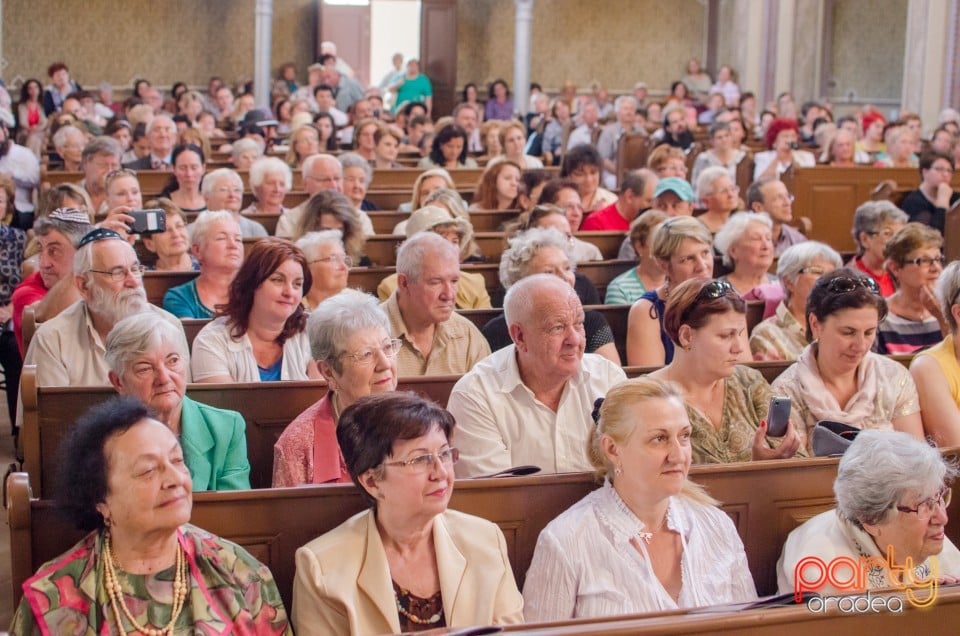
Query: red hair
x=868 y=118
x=777 y=126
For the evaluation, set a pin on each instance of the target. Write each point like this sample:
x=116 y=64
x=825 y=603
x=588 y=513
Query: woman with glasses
x=350 y=341
x=874 y=224
x=259 y=334
x=408 y=563
x=727 y=403
x=892 y=497
x=837 y=377
x=217 y=245
x=719 y=195
x=914 y=320
x=936 y=371
x=329 y=265
x=929 y=203
x=656 y=540
x=783 y=336
x=172 y=246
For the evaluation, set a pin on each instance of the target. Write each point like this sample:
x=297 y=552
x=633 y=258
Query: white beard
x=114 y=307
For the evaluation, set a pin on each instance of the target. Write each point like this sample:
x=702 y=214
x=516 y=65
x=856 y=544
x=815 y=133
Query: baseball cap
x=676 y=185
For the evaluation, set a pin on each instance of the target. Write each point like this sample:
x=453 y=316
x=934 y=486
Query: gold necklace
x=116 y=593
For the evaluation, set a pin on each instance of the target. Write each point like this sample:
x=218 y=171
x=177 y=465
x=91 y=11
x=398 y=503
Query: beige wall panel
x=868 y=44
x=615 y=42
x=117 y=41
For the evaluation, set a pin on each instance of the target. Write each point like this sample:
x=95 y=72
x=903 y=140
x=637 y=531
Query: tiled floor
x=6 y=457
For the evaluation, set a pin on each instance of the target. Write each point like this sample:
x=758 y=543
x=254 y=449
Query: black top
x=922 y=210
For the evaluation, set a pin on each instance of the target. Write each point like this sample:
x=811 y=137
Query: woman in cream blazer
x=355 y=579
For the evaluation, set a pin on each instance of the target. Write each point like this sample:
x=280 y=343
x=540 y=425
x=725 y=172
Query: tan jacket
x=343 y=583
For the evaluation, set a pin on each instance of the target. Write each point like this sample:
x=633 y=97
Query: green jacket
x=214 y=445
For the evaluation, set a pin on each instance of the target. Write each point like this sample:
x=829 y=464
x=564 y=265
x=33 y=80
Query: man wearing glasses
x=68 y=350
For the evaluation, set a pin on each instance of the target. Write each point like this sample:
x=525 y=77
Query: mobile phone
x=778 y=415
x=148 y=221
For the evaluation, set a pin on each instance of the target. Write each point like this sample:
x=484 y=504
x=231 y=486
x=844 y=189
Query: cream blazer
x=343 y=583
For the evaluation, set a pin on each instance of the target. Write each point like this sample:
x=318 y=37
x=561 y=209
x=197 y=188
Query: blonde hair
x=618 y=421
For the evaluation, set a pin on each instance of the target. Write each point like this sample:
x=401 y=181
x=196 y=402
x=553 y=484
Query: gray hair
x=624 y=98
x=83 y=257
x=881 y=468
x=336 y=319
x=519 y=298
x=62 y=136
x=414 y=250
x=158 y=118
x=796 y=257
x=269 y=165
x=72 y=231
x=734 y=229
x=871 y=215
x=946 y=289
x=139 y=334
x=311 y=242
x=353 y=160
x=307 y=165
x=214 y=176
x=200 y=228
x=102 y=145
x=707 y=178
x=524 y=247
x=242 y=145
x=451 y=199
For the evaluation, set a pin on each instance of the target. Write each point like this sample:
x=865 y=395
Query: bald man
x=531 y=402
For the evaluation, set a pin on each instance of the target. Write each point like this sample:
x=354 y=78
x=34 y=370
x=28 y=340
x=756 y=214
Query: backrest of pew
x=272 y=525
x=266 y=408
x=156 y=284
x=382 y=249
x=482 y=220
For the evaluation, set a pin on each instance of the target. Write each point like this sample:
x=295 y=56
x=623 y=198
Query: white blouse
x=585 y=565
x=216 y=353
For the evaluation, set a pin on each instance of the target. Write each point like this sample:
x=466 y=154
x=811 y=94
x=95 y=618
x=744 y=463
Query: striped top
x=898 y=335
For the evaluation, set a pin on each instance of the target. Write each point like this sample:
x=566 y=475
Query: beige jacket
x=343 y=584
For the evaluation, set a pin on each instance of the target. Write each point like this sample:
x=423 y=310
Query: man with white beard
x=68 y=350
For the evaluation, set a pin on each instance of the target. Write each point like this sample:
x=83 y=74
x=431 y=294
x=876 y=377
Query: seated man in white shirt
x=530 y=403
x=320 y=172
x=68 y=349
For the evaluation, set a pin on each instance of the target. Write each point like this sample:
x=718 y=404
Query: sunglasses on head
x=847 y=284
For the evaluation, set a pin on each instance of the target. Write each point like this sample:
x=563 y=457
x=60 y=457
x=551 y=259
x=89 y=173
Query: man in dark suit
x=162 y=136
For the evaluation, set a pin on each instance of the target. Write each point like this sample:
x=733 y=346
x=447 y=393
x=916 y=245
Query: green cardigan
x=214 y=445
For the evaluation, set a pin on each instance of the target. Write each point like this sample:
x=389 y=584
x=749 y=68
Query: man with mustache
x=68 y=350
x=436 y=340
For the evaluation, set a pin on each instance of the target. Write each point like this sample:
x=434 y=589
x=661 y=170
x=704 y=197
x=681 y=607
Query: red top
x=605 y=219
x=29 y=291
x=883 y=280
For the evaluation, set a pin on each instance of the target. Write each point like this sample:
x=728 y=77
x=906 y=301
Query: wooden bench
x=382 y=248
x=266 y=407
x=273 y=524
x=830 y=195
x=482 y=220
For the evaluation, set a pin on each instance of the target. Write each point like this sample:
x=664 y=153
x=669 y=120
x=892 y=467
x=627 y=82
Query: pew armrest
x=19 y=520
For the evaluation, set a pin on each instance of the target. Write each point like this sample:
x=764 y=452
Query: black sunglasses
x=711 y=291
x=847 y=284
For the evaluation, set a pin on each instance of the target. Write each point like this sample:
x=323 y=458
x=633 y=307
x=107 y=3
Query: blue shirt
x=183 y=302
x=659 y=307
x=271 y=373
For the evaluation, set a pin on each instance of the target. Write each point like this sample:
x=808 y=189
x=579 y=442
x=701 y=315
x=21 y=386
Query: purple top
x=495 y=110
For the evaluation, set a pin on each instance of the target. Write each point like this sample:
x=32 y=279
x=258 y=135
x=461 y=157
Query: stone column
x=523 y=20
x=261 y=56
x=925 y=61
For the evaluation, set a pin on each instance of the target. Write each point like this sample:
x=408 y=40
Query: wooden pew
x=266 y=407
x=272 y=524
x=382 y=249
x=482 y=220
x=830 y=195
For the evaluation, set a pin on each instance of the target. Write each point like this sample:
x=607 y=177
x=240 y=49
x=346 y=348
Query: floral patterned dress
x=229 y=592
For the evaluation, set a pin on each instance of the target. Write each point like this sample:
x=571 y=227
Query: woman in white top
x=657 y=541
x=513 y=140
x=781 y=138
x=260 y=335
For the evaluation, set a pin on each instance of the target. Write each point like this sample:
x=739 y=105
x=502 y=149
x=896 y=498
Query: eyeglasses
x=886 y=234
x=365 y=357
x=816 y=271
x=926 y=261
x=847 y=284
x=119 y=274
x=927 y=507
x=333 y=259
x=424 y=463
x=730 y=190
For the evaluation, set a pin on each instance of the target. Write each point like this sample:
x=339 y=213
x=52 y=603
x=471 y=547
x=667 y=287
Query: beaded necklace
x=116 y=593
x=413 y=618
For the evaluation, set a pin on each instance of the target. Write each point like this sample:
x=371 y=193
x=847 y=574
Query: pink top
x=307 y=451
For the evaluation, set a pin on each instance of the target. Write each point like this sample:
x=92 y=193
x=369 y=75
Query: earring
x=617 y=471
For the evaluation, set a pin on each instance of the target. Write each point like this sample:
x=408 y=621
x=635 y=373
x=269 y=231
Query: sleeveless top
x=947 y=361
x=657 y=310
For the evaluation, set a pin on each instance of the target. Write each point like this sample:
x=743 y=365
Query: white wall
x=394 y=28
